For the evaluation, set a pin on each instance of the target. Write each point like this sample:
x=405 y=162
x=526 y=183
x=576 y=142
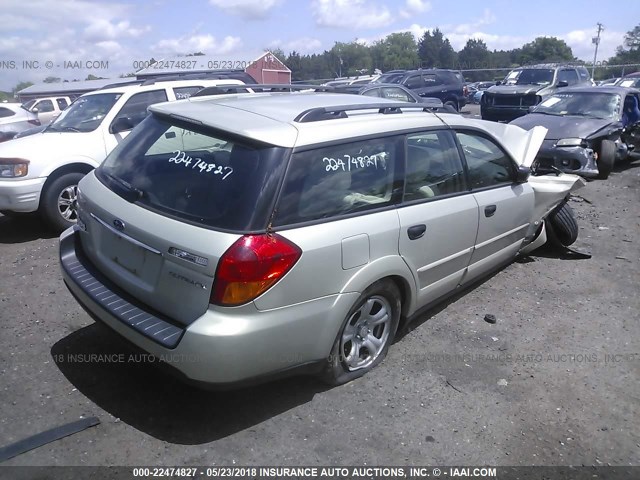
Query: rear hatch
x=165 y=206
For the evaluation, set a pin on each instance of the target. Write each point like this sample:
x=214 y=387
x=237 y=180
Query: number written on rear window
x=181 y=158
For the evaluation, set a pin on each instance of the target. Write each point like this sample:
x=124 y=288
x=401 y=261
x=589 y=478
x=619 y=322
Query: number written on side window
x=348 y=162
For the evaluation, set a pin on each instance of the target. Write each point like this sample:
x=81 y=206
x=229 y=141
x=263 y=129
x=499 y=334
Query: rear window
x=197 y=175
x=5 y=112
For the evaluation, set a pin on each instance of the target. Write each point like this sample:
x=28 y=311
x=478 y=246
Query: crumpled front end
x=576 y=159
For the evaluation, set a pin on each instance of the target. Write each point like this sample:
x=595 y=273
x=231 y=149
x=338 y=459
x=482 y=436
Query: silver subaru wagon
x=244 y=237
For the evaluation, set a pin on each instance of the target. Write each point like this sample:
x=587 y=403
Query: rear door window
x=62 y=103
x=340 y=179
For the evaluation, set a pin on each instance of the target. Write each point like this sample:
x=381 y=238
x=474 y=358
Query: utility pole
x=596 y=41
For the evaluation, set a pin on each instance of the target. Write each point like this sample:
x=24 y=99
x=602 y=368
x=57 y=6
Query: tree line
x=433 y=50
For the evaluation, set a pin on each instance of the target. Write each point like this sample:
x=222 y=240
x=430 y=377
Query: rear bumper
x=225 y=347
x=21 y=195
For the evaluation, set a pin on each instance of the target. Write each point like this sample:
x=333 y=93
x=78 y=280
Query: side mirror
x=523 y=174
x=563 y=84
x=34 y=110
x=121 y=124
x=498 y=82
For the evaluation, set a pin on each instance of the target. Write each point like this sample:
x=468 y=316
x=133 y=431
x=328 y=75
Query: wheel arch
x=75 y=167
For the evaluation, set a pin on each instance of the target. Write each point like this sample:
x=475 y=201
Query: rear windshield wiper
x=131 y=193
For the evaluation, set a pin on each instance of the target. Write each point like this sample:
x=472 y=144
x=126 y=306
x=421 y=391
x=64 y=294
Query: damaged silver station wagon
x=244 y=237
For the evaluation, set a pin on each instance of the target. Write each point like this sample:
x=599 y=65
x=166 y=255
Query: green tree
x=398 y=50
x=435 y=50
x=349 y=58
x=545 y=49
x=628 y=52
x=475 y=54
x=93 y=77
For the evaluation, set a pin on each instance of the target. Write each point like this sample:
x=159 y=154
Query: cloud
x=247 y=9
x=197 y=43
x=583 y=48
x=102 y=29
x=84 y=31
x=414 y=7
x=302 y=45
x=353 y=14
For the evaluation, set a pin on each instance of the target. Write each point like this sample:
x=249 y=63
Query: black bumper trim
x=102 y=292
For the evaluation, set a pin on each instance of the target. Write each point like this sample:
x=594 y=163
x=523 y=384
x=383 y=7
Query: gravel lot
x=556 y=381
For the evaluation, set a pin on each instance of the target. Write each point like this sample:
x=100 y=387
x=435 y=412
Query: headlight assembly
x=13 y=167
x=570 y=142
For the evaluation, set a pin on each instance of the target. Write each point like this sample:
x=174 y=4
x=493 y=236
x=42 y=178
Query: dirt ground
x=556 y=381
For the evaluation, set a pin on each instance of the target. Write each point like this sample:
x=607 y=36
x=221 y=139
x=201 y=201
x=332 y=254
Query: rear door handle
x=489 y=210
x=416 y=231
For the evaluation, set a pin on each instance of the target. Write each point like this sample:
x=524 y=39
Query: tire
x=606 y=157
x=452 y=104
x=564 y=225
x=58 y=205
x=350 y=356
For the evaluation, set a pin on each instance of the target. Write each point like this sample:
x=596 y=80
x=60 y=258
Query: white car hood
x=52 y=145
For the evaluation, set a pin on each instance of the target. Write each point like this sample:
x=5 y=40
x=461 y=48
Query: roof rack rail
x=121 y=84
x=340 y=111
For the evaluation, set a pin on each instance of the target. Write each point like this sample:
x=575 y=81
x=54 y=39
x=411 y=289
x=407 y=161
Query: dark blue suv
x=447 y=85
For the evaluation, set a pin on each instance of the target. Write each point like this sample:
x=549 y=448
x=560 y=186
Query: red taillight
x=465 y=91
x=251 y=266
x=35 y=122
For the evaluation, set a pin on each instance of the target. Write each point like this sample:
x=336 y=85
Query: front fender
x=550 y=190
x=68 y=160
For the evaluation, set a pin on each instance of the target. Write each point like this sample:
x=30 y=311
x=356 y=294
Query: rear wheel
x=452 y=104
x=58 y=204
x=606 y=157
x=366 y=334
x=564 y=225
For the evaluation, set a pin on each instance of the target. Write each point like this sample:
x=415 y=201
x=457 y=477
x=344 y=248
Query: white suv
x=47 y=109
x=41 y=172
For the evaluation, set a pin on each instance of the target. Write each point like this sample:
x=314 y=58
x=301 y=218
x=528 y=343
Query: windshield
x=530 y=76
x=584 y=104
x=28 y=105
x=196 y=175
x=85 y=114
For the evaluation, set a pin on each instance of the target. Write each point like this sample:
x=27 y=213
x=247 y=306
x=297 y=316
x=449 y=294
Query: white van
x=41 y=172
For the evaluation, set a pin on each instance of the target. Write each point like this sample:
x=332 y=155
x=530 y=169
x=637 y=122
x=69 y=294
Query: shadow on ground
x=23 y=228
x=140 y=394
